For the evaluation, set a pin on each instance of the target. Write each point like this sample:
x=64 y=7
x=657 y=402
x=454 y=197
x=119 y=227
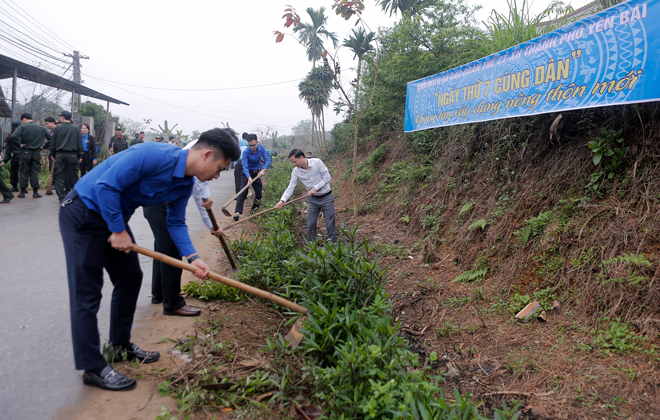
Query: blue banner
x=605 y=59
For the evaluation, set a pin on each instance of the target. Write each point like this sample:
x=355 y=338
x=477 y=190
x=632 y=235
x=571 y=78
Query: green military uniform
x=5 y=190
x=66 y=145
x=31 y=138
x=118 y=143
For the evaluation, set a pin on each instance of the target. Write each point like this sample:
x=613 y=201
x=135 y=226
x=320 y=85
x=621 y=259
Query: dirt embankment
x=487 y=219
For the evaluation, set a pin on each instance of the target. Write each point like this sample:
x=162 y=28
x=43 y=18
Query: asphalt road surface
x=37 y=374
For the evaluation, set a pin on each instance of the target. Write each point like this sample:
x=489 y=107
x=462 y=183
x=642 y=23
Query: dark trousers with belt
x=87 y=250
x=87 y=163
x=165 y=280
x=66 y=173
x=30 y=166
x=258 y=189
x=15 y=168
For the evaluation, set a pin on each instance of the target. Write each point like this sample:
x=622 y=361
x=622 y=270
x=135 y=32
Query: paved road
x=37 y=375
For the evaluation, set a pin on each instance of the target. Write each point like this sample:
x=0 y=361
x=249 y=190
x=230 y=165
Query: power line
x=198 y=90
x=24 y=45
x=53 y=45
x=24 y=34
x=42 y=26
x=190 y=110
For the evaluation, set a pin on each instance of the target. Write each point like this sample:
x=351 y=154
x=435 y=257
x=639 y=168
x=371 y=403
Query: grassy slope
x=507 y=207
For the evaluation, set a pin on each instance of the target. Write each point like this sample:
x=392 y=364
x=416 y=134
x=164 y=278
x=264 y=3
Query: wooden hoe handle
x=222 y=279
x=241 y=191
x=223 y=242
x=263 y=212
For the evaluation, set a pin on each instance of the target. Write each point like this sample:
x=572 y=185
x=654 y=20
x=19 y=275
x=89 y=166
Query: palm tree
x=360 y=44
x=404 y=7
x=309 y=34
x=315 y=91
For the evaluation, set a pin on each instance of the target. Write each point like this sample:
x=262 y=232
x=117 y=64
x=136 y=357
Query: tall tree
x=360 y=43
x=309 y=34
x=315 y=91
x=404 y=7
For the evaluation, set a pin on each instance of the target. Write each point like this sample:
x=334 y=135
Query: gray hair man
x=315 y=177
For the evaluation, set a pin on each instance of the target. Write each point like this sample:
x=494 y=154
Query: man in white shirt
x=315 y=177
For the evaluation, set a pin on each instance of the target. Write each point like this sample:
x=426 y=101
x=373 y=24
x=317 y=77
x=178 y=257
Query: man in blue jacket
x=94 y=225
x=250 y=162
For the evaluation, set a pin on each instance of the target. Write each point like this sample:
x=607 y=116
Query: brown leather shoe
x=184 y=311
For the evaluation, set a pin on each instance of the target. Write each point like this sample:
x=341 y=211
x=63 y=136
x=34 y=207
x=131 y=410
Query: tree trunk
x=355 y=141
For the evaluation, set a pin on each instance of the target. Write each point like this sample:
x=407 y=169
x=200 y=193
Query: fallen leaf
x=262 y=396
x=226 y=410
x=250 y=362
x=539 y=411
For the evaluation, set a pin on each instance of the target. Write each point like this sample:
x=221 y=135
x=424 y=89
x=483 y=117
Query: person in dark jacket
x=89 y=151
x=31 y=138
x=13 y=155
x=67 y=148
x=138 y=140
x=118 y=143
x=6 y=192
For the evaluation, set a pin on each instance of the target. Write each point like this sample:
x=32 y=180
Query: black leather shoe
x=22 y=194
x=36 y=195
x=156 y=301
x=6 y=200
x=134 y=352
x=14 y=189
x=110 y=380
x=236 y=216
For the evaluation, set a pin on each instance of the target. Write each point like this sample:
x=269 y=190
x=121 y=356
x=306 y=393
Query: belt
x=322 y=195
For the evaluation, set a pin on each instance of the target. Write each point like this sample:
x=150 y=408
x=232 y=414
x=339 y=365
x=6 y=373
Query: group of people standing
x=70 y=149
x=95 y=211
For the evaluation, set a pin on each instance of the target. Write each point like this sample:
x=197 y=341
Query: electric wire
x=42 y=26
x=197 y=90
x=24 y=34
x=52 y=45
x=22 y=44
x=191 y=110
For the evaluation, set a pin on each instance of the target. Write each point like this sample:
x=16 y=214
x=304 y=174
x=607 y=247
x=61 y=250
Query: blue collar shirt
x=146 y=174
x=251 y=159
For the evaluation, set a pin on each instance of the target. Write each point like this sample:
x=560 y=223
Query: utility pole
x=76 y=74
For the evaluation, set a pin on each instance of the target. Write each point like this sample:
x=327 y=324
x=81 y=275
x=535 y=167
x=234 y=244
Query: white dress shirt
x=200 y=192
x=315 y=176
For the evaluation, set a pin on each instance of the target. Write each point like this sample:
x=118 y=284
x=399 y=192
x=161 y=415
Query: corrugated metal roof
x=37 y=75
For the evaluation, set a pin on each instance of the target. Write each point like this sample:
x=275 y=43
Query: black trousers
x=30 y=166
x=66 y=173
x=85 y=235
x=258 y=189
x=165 y=280
x=15 y=167
x=238 y=170
x=87 y=163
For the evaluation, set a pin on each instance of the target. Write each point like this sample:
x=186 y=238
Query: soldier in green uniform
x=4 y=189
x=118 y=143
x=66 y=146
x=30 y=136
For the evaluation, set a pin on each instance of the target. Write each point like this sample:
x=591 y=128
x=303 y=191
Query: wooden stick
x=263 y=212
x=525 y=394
x=241 y=191
x=222 y=279
x=230 y=257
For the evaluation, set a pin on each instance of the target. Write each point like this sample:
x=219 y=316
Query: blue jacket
x=147 y=174
x=251 y=160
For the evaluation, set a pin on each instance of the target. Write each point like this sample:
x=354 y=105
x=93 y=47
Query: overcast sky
x=195 y=63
